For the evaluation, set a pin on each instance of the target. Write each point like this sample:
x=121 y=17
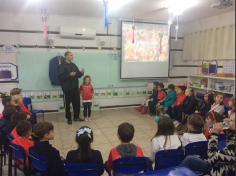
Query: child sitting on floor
x=195 y=125
x=125 y=149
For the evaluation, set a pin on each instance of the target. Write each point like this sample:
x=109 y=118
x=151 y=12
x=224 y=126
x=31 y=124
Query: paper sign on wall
x=8 y=72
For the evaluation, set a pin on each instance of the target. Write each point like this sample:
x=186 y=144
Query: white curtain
x=210 y=44
x=187 y=47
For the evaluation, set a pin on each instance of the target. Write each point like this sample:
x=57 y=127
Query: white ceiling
x=140 y=9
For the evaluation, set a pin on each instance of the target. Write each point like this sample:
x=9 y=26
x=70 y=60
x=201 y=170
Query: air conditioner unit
x=77 y=33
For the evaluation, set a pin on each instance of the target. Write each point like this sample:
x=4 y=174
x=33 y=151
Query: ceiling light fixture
x=176 y=8
x=34 y=1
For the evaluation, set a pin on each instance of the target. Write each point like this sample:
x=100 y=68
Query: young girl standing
x=86 y=92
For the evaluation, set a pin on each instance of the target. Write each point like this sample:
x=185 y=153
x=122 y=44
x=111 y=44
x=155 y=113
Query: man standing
x=68 y=76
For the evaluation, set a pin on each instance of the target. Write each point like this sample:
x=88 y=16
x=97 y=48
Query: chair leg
x=10 y=164
x=15 y=168
x=1 y=165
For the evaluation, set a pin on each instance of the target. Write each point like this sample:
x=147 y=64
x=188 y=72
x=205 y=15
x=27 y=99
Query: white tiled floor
x=104 y=125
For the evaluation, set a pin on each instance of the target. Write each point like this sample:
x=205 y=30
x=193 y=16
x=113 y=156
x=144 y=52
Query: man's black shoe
x=69 y=122
x=78 y=119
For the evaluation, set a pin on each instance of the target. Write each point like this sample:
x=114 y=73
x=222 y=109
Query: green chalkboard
x=102 y=66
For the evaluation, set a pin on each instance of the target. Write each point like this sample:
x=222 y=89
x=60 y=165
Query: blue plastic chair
x=168 y=158
x=3 y=154
x=131 y=165
x=173 y=171
x=197 y=148
x=28 y=102
x=83 y=169
x=17 y=155
x=38 y=162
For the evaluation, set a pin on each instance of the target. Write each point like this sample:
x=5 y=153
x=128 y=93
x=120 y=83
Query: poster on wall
x=8 y=72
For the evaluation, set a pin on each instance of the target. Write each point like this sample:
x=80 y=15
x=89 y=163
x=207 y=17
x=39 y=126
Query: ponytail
x=84 y=138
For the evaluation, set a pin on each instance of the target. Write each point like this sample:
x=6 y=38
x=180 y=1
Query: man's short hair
x=42 y=128
x=67 y=53
x=126 y=132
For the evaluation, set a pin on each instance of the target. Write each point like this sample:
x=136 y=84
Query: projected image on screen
x=147 y=43
x=145 y=50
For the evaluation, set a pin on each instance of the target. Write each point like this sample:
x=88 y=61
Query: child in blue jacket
x=170 y=98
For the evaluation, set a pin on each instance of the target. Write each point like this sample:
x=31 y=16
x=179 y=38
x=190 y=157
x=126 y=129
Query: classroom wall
x=26 y=30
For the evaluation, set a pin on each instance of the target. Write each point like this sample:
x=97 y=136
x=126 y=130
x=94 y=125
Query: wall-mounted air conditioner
x=77 y=33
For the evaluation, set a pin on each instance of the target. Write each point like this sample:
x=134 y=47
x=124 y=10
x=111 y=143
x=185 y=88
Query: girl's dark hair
x=84 y=139
x=210 y=97
x=160 y=110
x=183 y=88
x=85 y=77
x=233 y=101
x=220 y=94
x=6 y=100
x=171 y=87
x=23 y=127
x=165 y=127
x=191 y=90
x=17 y=117
x=42 y=128
x=197 y=122
x=161 y=85
x=215 y=116
x=8 y=112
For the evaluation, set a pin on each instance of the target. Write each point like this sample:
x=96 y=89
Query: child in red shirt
x=24 y=131
x=161 y=95
x=17 y=118
x=176 y=112
x=125 y=149
x=86 y=92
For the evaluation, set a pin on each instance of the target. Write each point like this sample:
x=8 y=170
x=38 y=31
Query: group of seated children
x=180 y=101
x=204 y=122
x=165 y=138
